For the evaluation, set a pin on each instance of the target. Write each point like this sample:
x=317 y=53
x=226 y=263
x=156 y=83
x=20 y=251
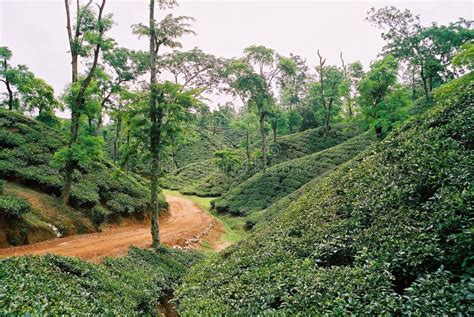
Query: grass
x=234 y=227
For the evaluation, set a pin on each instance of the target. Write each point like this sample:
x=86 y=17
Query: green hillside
x=299 y=144
x=389 y=233
x=263 y=189
x=55 y=285
x=100 y=191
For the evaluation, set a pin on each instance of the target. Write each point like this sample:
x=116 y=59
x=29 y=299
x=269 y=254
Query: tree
x=429 y=49
x=330 y=81
x=193 y=68
x=164 y=33
x=382 y=101
x=292 y=81
x=5 y=55
x=86 y=38
x=247 y=122
x=120 y=66
x=37 y=94
x=294 y=120
x=352 y=73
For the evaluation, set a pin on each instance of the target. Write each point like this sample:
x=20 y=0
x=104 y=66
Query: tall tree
x=86 y=37
x=381 y=99
x=330 y=81
x=5 y=55
x=429 y=49
x=164 y=33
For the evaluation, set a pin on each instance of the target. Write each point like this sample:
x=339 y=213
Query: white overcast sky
x=35 y=29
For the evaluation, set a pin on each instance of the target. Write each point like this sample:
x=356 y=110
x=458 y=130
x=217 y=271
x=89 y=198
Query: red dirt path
x=184 y=225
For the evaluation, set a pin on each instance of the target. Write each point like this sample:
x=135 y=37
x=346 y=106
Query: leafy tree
x=292 y=81
x=429 y=49
x=247 y=122
x=382 y=101
x=86 y=38
x=352 y=73
x=165 y=33
x=330 y=81
x=294 y=120
x=38 y=95
x=5 y=55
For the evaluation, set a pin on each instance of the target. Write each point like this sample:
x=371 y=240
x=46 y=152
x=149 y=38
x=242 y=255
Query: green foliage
x=299 y=144
x=388 y=233
x=382 y=101
x=99 y=215
x=55 y=285
x=263 y=189
x=27 y=155
x=465 y=56
x=227 y=161
x=12 y=207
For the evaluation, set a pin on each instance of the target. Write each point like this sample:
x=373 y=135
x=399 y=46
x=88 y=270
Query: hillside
x=263 y=189
x=203 y=178
x=292 y=146
x=388 y=233
x=101 y=192
x=127 y=286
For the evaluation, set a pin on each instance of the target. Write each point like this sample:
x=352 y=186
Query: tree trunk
x=263 y=146
x=10 y=95
x=425 y=85
x=274 y=128
x=118 y=129
x=154 y=135
x=247 y=146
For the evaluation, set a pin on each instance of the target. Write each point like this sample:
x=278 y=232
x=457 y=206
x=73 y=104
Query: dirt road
x=184 y=225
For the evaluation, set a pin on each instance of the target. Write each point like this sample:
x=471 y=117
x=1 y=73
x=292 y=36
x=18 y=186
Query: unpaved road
x=184 y=225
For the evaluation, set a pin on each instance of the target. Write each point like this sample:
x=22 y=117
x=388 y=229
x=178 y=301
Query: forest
x=314 y=189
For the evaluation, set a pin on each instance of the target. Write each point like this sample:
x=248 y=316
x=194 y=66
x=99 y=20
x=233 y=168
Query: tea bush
x=26 y=156
x=388 y=233
x=55 y=285
x=263 y=189
x=12 y=207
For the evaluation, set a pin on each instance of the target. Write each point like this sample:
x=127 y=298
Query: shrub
x=263 y=189
x=55 y=285
x=12 y=207
x=99 y=215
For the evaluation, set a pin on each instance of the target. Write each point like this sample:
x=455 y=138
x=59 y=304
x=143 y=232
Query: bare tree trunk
x=425 y=85
x=274 y=128
x=154 y=135
x=9 y=89
x=118 y=129
x=247 y=146
x=263 y=147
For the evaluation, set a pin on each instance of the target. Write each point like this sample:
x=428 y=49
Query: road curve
x=183 y=226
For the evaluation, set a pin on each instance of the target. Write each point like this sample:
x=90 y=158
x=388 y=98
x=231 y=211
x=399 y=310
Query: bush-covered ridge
x=299 y=144
x=388 y=233
x=263 y=189
x=26 y=156
x=55 y=285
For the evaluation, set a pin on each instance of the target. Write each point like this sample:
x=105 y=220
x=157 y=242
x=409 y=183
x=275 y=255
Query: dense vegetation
x=356 y=179
x=387 y=233
x=55 y=285
x=263 y=189
x=99 y=188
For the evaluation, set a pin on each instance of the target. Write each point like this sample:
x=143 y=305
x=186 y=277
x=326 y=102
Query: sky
x=36 y=33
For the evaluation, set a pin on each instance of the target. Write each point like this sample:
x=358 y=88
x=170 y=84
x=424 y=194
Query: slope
x=263 y=189
x=389 y=233
x=100 y=190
